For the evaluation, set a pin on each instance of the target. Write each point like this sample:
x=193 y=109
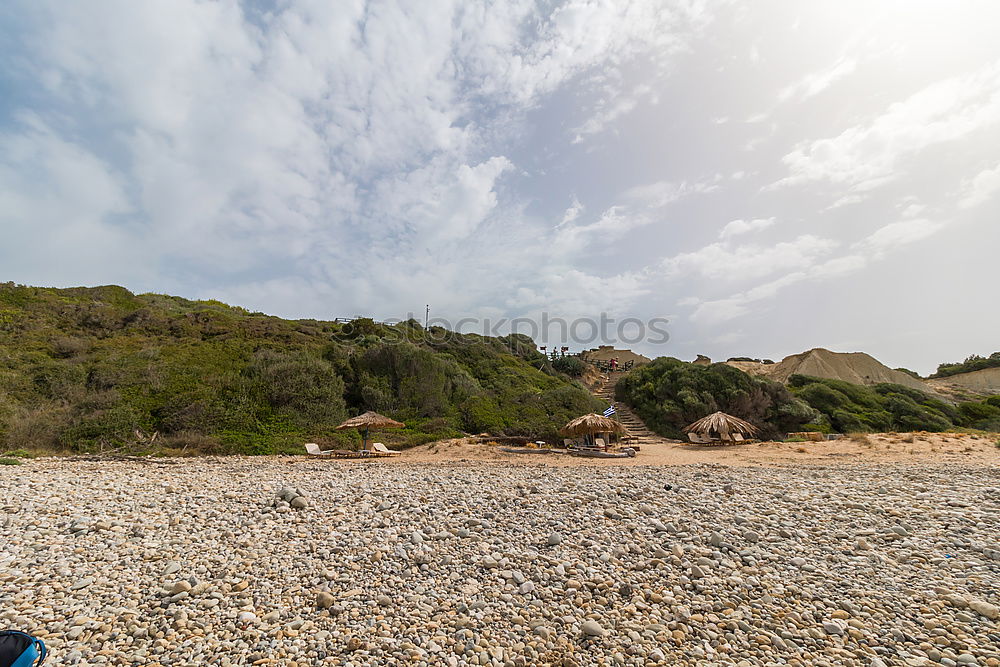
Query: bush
x=668 y=394
x=482 y=414
x=19 y=454
x=976 y=412
x=882 y=407
x=66 y=347
x=572 y=366
x=41 y=427
x=302 y=388
x=85 y=369
x=971 y=363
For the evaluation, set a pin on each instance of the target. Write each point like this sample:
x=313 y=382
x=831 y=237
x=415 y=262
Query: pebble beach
x=295 y=561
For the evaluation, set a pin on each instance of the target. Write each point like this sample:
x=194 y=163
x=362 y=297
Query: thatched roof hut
x=368 y=421
x=720 y=427
x=591 y=424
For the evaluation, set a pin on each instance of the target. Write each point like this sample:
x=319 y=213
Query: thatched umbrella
x=367 y=421
x=723 y=425
x=591 y=424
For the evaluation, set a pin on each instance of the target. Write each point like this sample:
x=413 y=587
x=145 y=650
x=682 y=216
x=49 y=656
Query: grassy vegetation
x=848 y=408
x=669 y=394
x=99 y=369
x=972 y=363
x=572 y=366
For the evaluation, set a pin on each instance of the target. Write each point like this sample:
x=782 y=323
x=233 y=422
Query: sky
x=764 y=176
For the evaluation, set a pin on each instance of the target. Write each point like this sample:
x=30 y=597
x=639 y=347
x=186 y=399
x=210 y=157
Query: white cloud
x=662 y=193
x=816 y=82
x=609 y=112
x=873 y=247
x=56 y=198
x=572 y=213
x=900 y=233
x=867 y=156
x=981 y=188
x=737 y=227
x=336 y=144
x=746 y=262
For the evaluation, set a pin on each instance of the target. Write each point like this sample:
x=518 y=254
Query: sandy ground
x=876 y=448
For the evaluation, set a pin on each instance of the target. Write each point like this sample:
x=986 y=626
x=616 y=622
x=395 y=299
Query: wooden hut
x=590 y=425
x=720 y=429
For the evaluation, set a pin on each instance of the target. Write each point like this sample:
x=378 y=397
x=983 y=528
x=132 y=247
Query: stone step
x=639 y=432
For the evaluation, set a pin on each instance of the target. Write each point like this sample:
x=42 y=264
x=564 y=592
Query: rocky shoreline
x=302 y=562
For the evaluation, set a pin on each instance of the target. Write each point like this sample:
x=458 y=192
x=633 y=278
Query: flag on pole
x=610 y=411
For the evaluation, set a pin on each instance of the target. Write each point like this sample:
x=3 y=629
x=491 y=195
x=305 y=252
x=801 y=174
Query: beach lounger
x=382 y=449
x=600 y=444
x=313 y=450
x=697 y=439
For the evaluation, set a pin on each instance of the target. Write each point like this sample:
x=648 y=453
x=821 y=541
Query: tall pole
x=427 y=315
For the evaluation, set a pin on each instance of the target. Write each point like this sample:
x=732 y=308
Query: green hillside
x=668 y=394
x=847 y=407
x=98 y=369
x=971 y=364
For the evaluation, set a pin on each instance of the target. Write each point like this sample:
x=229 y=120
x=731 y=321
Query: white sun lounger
x=382 y=449
x=313 y=449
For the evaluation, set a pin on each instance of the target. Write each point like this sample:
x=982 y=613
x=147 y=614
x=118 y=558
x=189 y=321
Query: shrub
x=971 y=363
x=572 y=366
x=882 y=407
x=668 y=394
x=85 y=368
x=989 y=425
x=482 y=414
x=862 y=439
x=304 y=389
x=65 y=347
x=9 y=462
x=976 y=412
x=19 y=454
x=193 y=442
x=41 y=427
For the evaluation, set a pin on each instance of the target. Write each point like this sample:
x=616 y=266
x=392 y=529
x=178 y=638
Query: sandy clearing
x=876 y=448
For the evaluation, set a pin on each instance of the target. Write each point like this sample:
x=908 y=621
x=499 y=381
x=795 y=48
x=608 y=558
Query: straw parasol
x=590 y=425
x=723 y=426
x=369 y=421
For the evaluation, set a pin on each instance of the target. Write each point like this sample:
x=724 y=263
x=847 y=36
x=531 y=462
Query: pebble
x=500 y=564
x=990 y=611
x=181 y=586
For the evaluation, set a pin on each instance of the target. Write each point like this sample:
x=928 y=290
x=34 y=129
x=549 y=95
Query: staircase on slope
x=635 y=426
